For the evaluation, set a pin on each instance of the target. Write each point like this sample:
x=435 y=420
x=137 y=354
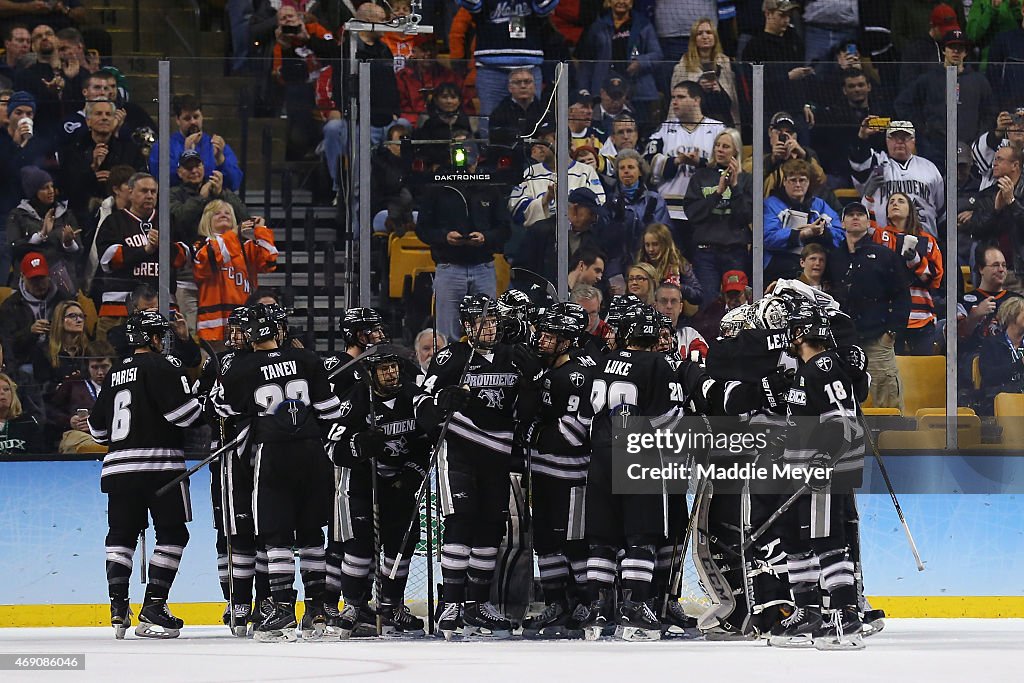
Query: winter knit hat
x=33 y=179
x=21 y=98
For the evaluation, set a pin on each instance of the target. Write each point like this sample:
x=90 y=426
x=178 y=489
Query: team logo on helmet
x=345 y=408
x=442 y=356
x=577 y=379
x=825 y=363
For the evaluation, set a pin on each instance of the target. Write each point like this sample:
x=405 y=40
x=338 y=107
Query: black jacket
x=716 y=219
x=989 y=225
x=463 y=206
x=79 y=183
x=871 y=287
x=1002 y=369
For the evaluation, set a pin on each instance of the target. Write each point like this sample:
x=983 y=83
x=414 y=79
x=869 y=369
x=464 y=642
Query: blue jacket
x=781 y=240
x=595 y=54
x=232 y=173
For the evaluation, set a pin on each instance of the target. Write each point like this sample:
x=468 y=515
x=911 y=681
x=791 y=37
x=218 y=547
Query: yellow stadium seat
x=880 y=412
x=965 y=272
x=847 y=193
x=922 y=382
x=911 y=440
x=961 y=410
x=503 y=271
x=1009 y=405
x=407 y=256
x=4 y=293
x=968 y=428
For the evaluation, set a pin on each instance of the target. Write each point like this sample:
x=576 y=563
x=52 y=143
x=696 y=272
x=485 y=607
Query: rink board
x=53 y=522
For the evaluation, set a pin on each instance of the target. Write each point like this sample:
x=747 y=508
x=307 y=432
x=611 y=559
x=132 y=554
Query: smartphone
x=82 y=412
x=290 y=29
x=879 y=121
x=708 y=76
x=851 y=49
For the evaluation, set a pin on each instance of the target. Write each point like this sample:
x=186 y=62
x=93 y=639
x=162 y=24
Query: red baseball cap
x=34 y=265
x=944 y=16
x=734 y=281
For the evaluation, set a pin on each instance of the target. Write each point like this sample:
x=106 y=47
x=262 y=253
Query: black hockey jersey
x=145 y=402
x=407 y=444
x=279 y=390
x=706 y=395
x=562 y=447
x=823 y=390
x=495 y=379
x=635 y=383
x=342 y=381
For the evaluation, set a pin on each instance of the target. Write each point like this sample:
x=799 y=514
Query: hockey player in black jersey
x=832 y=452
x=285 y=394
x=239 y=478
x=558 y=462
x=145 y=403
x=515 y=313
x=474 y=463
x=638 y=382
x=384 y=435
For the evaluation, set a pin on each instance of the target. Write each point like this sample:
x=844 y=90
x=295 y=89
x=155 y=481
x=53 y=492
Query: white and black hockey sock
x=454 y=564
x=638 y=571
x=482 y=562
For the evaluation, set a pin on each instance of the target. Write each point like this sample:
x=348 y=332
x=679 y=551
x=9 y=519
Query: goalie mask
x=383 y=370
x=771 y=313
x=363 y=327
x=140 y=328
x=734 y=321
x=480 y=321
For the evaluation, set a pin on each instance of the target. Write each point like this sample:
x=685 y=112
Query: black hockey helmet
x=384 y=370
x=515 y=313
x=574 y=311
x=639 y=326
x=809 y=322
x=470 y=309
x=362 y=320
x=562 y=327
x=234 y=336
x=142 y=325
x=258 y=324
x=279 y=314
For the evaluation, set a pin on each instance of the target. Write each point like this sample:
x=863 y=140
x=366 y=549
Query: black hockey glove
x=410 y=478
x=776 y=446
x=452 y=399
x=855 y=358
x=820 y=467
x=368 y=444
x=775 y=387
x=522 y=440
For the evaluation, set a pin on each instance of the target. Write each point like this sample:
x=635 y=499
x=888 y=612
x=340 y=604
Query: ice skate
x=841 y=630
x=366 y=623
x=677 y=623
x=449 y=624
x=594 y=622
x=332 y=619
x=398 y=622
x=873 y=622
x=279 y=624
x=553 y=622
x=636 y=621
x=243 y=615
x=355 y=620
x=798 y=629
x=156 y=620
x=483 y=620
x=314 y=621
x=120 y=616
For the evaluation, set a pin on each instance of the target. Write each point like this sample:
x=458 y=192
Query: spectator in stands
x=19 y=147
x=5 y=97
x=1001 y=358
x=46 y=81
x=118 y=197
x=390 y=170
x=828 y=75
x=508 y=36
x=719 y=203
x=988 y=18
x=419 y=80
x=586 y=267
x=17 y=44
x=924 y=101
x=781 y=50
x=461 y=46
x=465 y=224
x=624 y=42
x=1004 y=70
x=586 y=154
x=837 y=125
x=59 y=355
x=705 y=63
x=588 y=237
x=100 y=86
x=79 y=394
x=923 y=260
x=427 y=343
x=520 y=112
x=624 y=136
x=572 y=17
x=87 y=159
x=25 y=314
x=57 y=14
x=216 y=154
x=659 y=251
x=19 y=433
x=668 y=300
x=632 y=208
x=590 y=299
x=681 y=145
x=145 y=298
x=997 y=215
x=793 y=218
x=612 y=96
x=827 y=26
x=1009 y=129
x=75 y=64
x=403 y=45
x=228 y=263
x=870 y=284
x=42 y=224
x=897 y=169
x=784 y=146
x=384 y=97
x=641 y=281
x=735 y=291
x=581 y=125
x=976 y=312
x=444 y=115
x=920 y=50
x=813 y=259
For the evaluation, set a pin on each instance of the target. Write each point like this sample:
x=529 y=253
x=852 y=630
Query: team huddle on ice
x=520 y=414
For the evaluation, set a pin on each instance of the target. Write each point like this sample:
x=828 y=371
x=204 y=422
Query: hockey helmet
x=142 y=325
x=808 y=322
x=515 y=312
x=234 y=337
x=384 y=371
x=482 y=333
x=365 y=321
x=258 y=324
x=555 y=334
x=734 y=321
x=574 y=311
x=771 y=313
x=639 y=326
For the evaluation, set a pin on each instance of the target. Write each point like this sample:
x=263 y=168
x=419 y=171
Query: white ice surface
x=932 y=650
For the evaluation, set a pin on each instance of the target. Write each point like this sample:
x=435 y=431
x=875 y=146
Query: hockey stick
x=421 y=493
x=552 y=290
x=195 y=468
x=375 y=495
x=142 y=548
x=370 y=349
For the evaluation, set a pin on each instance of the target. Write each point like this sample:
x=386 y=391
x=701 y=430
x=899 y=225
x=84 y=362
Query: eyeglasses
x=997 y=265
x=74 y=316
x=797 y=180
